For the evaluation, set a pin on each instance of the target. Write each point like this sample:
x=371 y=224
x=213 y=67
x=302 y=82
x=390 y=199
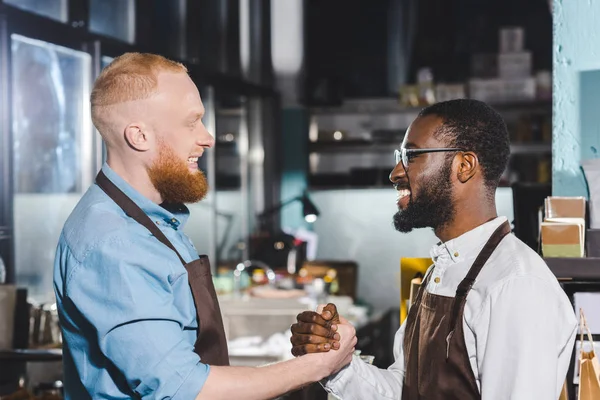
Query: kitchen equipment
x=2 y=271
x=8 y=295
x=44 y=327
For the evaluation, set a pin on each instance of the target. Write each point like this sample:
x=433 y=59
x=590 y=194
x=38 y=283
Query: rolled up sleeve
x=123 y=289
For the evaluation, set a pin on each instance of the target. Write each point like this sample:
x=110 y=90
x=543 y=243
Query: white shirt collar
x=467 y=243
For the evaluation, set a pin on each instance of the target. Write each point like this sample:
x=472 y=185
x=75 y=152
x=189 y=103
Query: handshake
x=316 y=333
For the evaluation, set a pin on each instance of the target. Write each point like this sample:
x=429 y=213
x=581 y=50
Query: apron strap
x=465 y=286
x=133 y=210
x=422 y=288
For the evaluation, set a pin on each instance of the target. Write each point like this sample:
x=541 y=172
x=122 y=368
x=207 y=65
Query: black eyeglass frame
x=402 y=155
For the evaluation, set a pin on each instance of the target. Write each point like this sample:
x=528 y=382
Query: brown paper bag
x=589 y=367
x=564 y=394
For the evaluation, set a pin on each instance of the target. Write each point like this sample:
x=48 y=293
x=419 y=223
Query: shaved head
x=118 y=93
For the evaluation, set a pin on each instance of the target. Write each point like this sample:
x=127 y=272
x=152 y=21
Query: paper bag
x=589 y=367
x=564 y=394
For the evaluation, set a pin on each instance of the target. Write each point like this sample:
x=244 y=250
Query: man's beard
x=432 y=207
x=173 y=179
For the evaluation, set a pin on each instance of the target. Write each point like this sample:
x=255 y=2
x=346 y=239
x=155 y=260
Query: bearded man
x=137 y=306
x=490 y=321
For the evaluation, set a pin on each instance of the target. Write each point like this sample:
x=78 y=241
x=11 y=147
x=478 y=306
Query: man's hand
x=331 y=362
x=316 y=332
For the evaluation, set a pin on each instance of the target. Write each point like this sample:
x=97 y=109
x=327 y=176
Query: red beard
x=174 y=181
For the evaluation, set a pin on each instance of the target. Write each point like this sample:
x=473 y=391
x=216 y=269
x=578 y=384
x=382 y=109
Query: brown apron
x=436 y=360
x=211 y=344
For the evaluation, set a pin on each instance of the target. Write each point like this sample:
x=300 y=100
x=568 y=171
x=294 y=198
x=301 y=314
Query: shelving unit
x=351 y=146
x=360 y=146
x=575 y=270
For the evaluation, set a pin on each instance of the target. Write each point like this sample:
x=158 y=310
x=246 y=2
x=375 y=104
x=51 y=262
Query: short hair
x=475 y=126
x=131 y=76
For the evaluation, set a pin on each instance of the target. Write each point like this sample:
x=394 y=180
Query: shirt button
x=157 y=223
x=456 y=254
x=437 y=280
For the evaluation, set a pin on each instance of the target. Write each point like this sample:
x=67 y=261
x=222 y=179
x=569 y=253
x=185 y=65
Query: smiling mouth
x=192 y=163
x=402 y=193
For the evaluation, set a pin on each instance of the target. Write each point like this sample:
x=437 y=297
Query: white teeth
x=192 y=159
x=403 y=193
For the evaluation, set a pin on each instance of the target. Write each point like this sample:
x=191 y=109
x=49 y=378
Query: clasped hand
x=321 y=331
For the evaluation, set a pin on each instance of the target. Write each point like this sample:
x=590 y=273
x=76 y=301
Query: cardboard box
x=514 y=65
x=502 y=90
x=563 y=239
x=512 y=39
x=565 y=207
x=484 y=65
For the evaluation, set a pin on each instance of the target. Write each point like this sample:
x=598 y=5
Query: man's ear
x=468 y=166
x=137 y=137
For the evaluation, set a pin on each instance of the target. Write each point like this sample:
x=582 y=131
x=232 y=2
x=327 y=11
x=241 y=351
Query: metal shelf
x=362 y=146
x=391 y=106
x=351 y=146
x=31 y=355
x=585 y=269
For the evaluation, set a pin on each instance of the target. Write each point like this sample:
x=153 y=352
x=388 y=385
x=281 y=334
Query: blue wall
x=295 y=164
x=576 y=123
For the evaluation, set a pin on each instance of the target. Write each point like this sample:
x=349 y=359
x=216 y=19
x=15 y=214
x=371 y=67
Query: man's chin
x=401 y=224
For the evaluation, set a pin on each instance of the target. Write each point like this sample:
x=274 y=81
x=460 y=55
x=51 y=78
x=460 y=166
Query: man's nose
x=397 y=173
x=206 y=139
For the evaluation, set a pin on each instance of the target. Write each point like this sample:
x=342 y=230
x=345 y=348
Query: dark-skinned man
x=490 y=320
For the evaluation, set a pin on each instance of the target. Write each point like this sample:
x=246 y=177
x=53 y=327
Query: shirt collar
x=174 y=215
x=467 y=243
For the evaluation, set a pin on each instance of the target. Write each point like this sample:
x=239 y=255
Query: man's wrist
x=314 y=366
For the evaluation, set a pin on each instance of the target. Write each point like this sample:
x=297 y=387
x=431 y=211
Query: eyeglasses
x=405 y=155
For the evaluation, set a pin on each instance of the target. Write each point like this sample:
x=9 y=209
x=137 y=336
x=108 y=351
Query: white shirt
x=519 y=325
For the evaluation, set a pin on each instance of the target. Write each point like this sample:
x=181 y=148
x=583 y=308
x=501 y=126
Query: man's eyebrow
x=196 y=116
x=410 y=145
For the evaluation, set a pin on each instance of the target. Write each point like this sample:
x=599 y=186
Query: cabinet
x=352 y=146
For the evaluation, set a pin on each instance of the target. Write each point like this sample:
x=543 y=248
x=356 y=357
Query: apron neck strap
x=133 y=210
x=465 y=286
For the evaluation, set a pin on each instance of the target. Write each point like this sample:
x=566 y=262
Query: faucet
x=241 y=267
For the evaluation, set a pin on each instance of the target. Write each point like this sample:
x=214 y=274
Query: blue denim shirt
x=126 y=310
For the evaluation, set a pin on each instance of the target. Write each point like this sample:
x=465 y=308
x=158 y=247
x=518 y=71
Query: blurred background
x=307 y=100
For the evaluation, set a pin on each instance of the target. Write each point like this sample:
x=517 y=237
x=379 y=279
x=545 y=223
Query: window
x=52 y=147
x=105 y=60
x=114 y=18
x=55 y=9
